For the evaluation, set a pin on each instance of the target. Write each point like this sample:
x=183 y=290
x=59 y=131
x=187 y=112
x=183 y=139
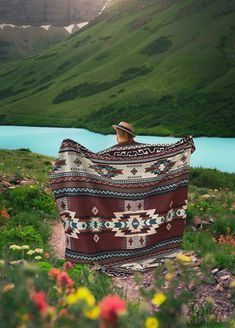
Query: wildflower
x=24 y=317
x=63 y=312
x=54 y=272
x=82 y=294
x=183 y=258
x=8 y=287
x=151 y=322
x=158 y=299
x=46 y=255
x=39 y=299
x=169 y=276
x=24 y=247
x=68 y=265
x=111 y=307
x=232 y=284
x=38 y=257
x=38 y=250
x=4 y=214
x=64 y=280
x=14 y=247
x=93 y=313
x=30 y=252
x=210 y=300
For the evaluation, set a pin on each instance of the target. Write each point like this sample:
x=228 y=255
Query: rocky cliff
x=54 y=12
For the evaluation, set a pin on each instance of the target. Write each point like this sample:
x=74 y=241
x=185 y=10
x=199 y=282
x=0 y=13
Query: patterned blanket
x=123 y=208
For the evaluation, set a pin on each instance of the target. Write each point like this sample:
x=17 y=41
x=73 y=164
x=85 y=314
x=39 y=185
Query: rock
x=206 y=196
x=225 y=277
x=193 y=228
x=5 y=184
x=24 y=182
x=191 y=286
x=45 y=12
x=218 y=288
x=14 y=180
x=197 y=221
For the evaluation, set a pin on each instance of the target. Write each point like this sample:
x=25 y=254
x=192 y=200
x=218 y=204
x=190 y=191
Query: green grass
x=171 y=61
x=23 y=163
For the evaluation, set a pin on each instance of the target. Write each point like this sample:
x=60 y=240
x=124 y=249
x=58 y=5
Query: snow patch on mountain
x=68 y=28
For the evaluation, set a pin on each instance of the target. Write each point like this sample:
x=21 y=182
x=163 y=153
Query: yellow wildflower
x=169 y=276
x=93 y=313
x=15 y=247
x=183 y=258
x=30 y=252
x=151 y=322
x=158 y=299
x=24 y=247
x=232 y=284
x=38 y=250
x=82 y=293
x=24 y=317
x=38 y=257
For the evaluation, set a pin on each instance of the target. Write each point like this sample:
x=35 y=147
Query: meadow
x=38 y=289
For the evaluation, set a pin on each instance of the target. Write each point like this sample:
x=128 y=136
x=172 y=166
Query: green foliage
x=158 y=46
x=89 y=89
x=31 y=198
x=24 y=163
x=18 y=234
x=212 y=178
x=203 y=243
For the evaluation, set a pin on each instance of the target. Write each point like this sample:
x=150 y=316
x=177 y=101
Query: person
x=125 y=134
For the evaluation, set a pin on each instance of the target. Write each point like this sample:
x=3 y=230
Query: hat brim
x=123 y=128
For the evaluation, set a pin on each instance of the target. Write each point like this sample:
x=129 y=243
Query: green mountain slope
x=167 y=66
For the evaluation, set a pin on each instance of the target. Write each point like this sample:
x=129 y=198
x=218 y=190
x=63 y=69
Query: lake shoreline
x=211 y=152
x=109 y=132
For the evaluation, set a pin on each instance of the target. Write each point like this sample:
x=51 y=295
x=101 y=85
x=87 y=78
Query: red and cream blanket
x=124 y=208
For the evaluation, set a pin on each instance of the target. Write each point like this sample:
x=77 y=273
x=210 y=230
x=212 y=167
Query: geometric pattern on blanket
x=124 y=204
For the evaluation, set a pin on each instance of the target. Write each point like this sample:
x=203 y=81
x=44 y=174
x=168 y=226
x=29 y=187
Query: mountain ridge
x=44 y=12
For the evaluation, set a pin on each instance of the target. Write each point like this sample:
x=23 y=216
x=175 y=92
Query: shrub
x=31 y=198
x=212 y=178
x=158 y=46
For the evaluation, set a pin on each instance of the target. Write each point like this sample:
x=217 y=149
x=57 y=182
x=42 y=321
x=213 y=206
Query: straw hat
x=125 y=127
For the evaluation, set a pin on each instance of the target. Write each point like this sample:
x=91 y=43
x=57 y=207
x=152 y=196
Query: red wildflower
x=54 y=272
x=63 y=280
x=39 y=299
x=4 y=214
x=68 y=265
x=111 y=307
x=63 y=312
x=46 y=255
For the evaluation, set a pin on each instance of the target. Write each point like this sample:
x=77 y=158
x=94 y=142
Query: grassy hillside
x=172 y=60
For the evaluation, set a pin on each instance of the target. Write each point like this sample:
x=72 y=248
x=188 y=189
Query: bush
x=212 y=178
x=158 y=46
x=31 y=198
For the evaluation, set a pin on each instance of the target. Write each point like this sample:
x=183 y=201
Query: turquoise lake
x=210 y=152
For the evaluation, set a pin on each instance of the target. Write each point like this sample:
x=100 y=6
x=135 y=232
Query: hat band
x=125 y=128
